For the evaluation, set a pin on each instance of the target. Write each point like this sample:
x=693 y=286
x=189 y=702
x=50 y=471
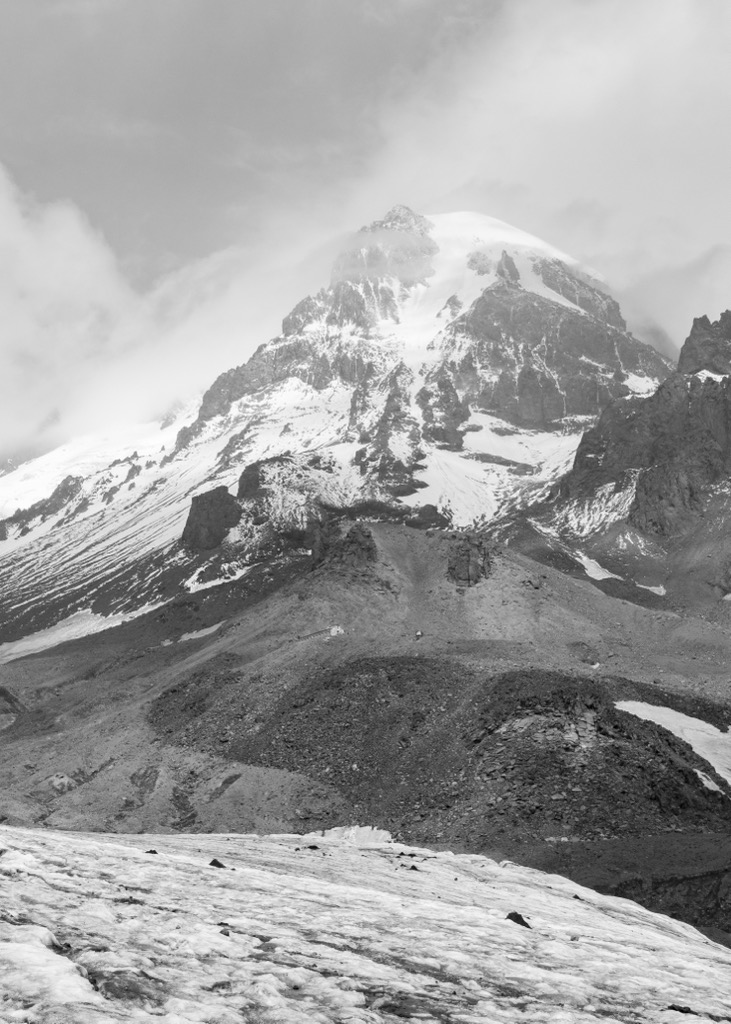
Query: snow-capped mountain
x=452 y=363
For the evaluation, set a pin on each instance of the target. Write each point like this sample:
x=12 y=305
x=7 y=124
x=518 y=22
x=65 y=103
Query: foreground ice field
x=344 y=927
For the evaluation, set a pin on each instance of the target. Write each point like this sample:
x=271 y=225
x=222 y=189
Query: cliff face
x=427 y=323
x=679 y=441
x=708 y=346
x=648 y=497
x=538 y=340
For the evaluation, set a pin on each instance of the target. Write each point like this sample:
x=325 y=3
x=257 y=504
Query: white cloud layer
x=599 y=125
x=79 y=347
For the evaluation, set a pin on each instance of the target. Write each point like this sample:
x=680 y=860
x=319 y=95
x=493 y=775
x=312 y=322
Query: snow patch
x=83 y=623
x=709 y=742
x=593 y=569
x=228 y=575
x=640 y=385
x=707 y=782
x=703 y=375
x=659 y=590
x=196 y=634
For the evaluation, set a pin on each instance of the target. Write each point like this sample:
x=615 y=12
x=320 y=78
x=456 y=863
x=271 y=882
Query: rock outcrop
x=677 y=442
x=547 y=360
x=708 y=346
x=211 y=516
x=469 y=559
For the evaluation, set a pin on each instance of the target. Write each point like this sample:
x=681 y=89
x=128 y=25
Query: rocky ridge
x=649 y=491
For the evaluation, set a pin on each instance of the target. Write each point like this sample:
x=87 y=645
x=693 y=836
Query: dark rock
x=708 y=346
x=469 y=559
x=61 y=496
x=127 y=986
x=250 y=482
x=304 y=313
x=678 y=441
x=210 y=518
x=216 y=863
x=356 y=549
x=506 y=269
x=517 y=918
x=443 y=411
x=547 y=361
x=428 y=517
x=579 y=289
x=320 y=537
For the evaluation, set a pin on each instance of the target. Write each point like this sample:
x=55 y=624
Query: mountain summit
x=450 y=364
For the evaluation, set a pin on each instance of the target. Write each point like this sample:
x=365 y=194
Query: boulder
x=469 y=559
x=210 y=518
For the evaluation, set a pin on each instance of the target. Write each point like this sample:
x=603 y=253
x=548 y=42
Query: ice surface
x=295 y=929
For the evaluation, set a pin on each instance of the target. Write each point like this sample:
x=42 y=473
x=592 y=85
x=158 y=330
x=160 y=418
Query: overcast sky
x=176 y=172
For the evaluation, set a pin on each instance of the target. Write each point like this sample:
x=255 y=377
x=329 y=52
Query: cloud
x=81 y=349
x=61 y=298
x=598 y=125
x=672 y=296
x=231 y=150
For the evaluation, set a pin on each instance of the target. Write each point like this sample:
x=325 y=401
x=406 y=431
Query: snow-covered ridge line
x=286 y=929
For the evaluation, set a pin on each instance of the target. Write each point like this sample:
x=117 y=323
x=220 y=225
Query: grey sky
x=176 y=170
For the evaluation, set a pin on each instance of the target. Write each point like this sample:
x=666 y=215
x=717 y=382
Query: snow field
x=316 y=928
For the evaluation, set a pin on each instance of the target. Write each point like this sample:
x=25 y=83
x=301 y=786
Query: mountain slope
x=381 y=687
x=452 y=363
x=648 y=497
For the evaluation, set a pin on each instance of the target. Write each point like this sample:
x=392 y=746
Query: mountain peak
x=708 y=346
x=451 y=362
x=401 y=218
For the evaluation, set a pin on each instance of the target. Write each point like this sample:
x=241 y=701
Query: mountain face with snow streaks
x=649 y=491
x=451 y=363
